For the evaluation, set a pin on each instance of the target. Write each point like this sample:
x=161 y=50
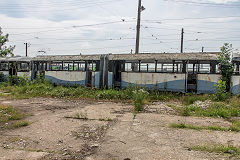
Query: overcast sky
x=72 y=27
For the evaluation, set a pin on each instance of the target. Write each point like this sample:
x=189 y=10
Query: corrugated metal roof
x=15 y=59
x=67 y=57
x=142 y=56
x=165 y=56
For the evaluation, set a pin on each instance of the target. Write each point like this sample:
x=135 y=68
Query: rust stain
x=209 y=79
x=152 y=78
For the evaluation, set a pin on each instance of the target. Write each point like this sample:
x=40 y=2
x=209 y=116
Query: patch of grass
x=184 y=126
x=232 y=128
x=216 y=109
x=78 y=115
x=8 y=113
x=19 y=124
x=164 y=96
x=190 y=98
x=105 y=119
x=235 y=151
x=216 y=128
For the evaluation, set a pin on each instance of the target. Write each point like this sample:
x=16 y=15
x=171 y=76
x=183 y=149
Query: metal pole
x=182 y=40
x=26 y=49
x=138 y=26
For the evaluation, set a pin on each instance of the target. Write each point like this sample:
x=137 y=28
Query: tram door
x=117 y=74
x=192 y=77
x=89 y=70
x=12 y=68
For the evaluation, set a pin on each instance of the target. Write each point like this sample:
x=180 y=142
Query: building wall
x=206 y=82
x=235 y=89
x=66 y=77
x=159 y=81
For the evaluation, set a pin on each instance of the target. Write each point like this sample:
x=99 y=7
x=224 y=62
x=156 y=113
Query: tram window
x=217 y=69
x=68 y=66
x=92 y=67
x=178 y=68
x=236 y=68
x=56 y=66
x=79 y=66
x=167 y=67
x=128 y=67
x=23 y=67
x=159 y=67
x=132 y=67
x=204 y=68
x=3 y=66
x=147 y=67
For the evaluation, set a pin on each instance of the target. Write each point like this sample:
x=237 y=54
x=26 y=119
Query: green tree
x=4 y=50
x=226 y=66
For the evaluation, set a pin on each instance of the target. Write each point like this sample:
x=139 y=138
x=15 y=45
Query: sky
x=73 y=27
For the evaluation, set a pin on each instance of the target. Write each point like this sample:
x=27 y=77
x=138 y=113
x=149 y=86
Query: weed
x=19 y=124
x=139 y=99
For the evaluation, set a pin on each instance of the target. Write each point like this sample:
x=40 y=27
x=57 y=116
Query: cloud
x=49 y=27
x=223 y=1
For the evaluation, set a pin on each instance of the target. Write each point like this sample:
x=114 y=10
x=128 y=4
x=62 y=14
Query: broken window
x=131 y=66
x=56 y=66
x=204 y=68
x=79 y=66
x=68 y=66
x=147 y=67
x=4 y=66
x=23 y=66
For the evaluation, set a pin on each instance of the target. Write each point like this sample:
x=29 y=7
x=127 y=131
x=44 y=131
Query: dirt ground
x=57 y=131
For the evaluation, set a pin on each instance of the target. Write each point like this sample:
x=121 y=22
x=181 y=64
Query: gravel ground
x=110 y=132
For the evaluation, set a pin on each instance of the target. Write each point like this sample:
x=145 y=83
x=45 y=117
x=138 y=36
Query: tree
x=226 y=67
x=4 y=50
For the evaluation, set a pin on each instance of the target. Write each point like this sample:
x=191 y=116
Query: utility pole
x=140 y=9
x=202 y=49
x=26 y=49
x=182 y=40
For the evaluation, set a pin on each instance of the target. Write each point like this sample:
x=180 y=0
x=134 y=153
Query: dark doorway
x=117 y=74
x=192 y=77
x=13 y=69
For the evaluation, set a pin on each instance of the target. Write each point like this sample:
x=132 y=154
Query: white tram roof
x=203 y=56
x=67 y=57
x=16 y=59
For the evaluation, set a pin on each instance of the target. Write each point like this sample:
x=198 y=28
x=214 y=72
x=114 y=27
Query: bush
x=139 y=98
x=2 y=77
x=220 y=91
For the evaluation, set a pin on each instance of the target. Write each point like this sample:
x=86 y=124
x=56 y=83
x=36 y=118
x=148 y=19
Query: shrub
x=220 y=91
x=2 y=77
